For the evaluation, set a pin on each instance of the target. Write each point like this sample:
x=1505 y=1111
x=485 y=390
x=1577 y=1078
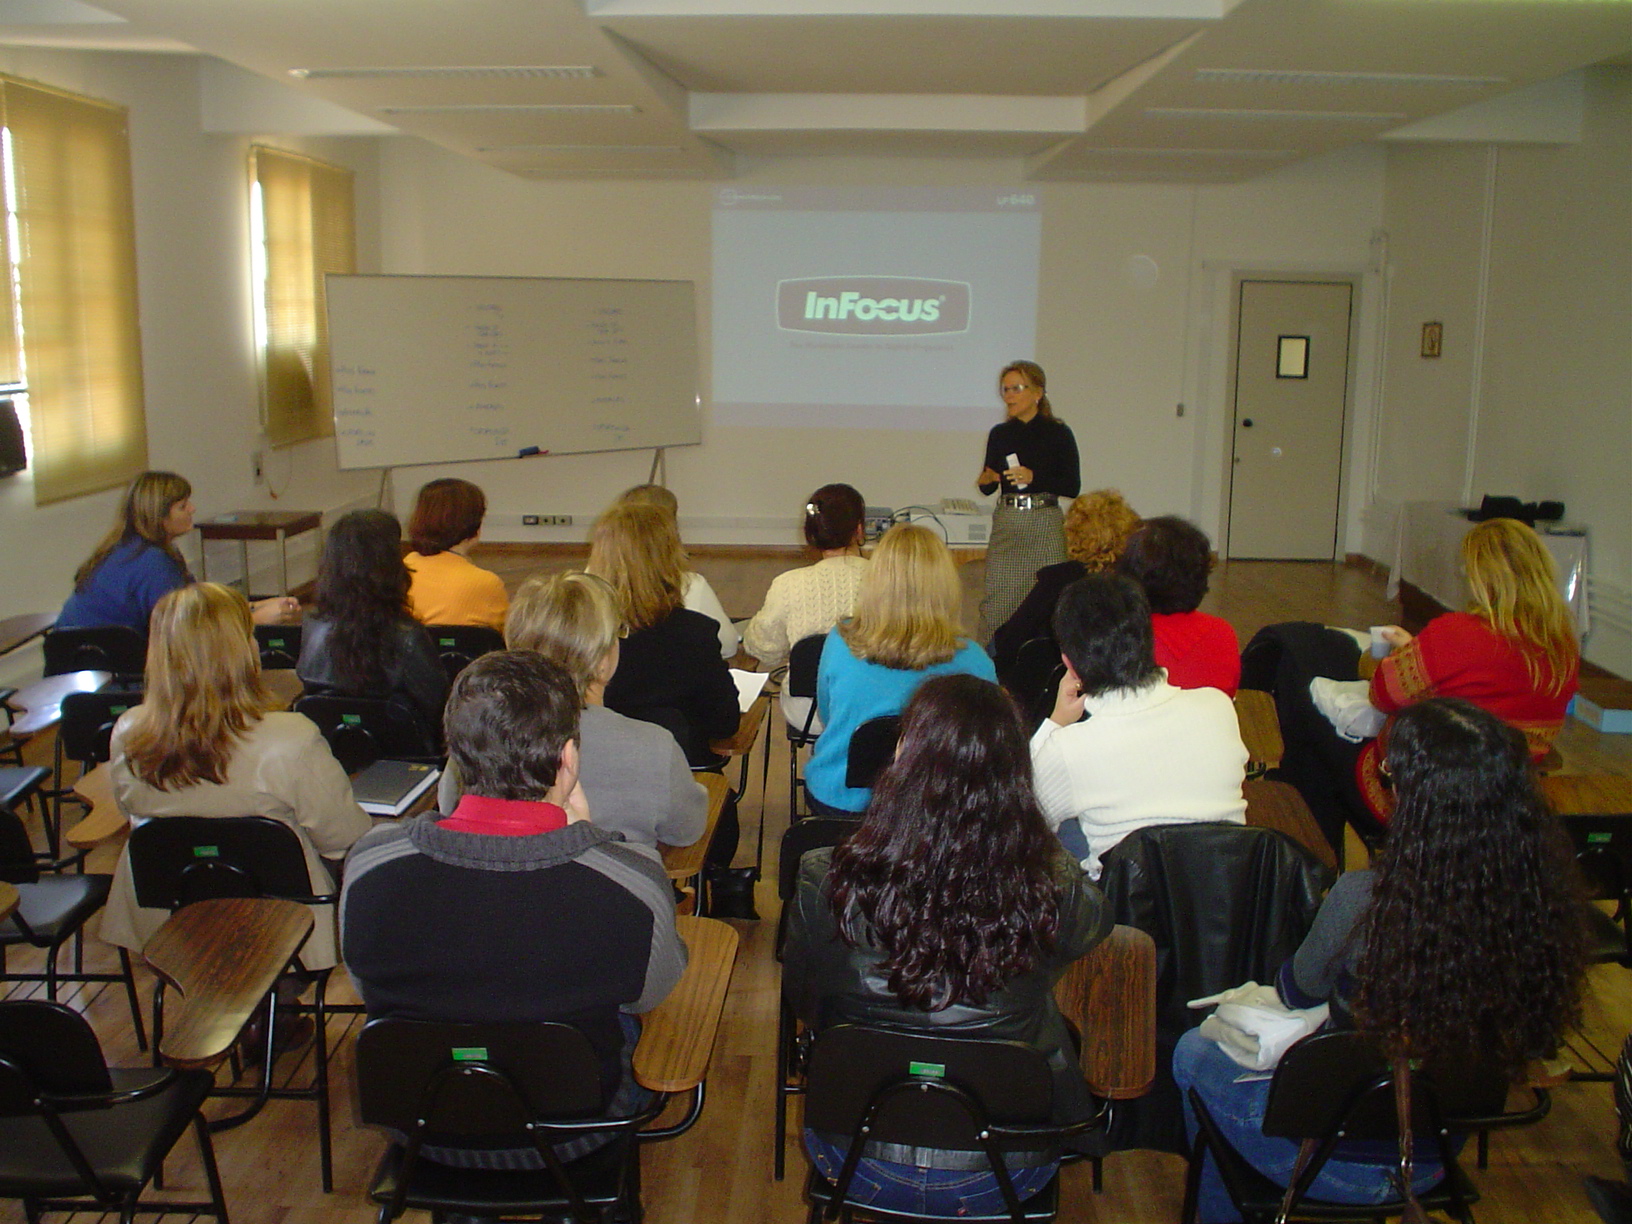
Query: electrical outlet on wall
x=529 y=520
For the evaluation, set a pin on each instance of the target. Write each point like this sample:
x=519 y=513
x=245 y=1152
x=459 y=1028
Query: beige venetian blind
x=77 y=272
x=306 y=225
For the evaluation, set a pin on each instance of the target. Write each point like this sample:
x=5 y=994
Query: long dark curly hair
x=1474 y=941
x=362 y=590
x=952 y=873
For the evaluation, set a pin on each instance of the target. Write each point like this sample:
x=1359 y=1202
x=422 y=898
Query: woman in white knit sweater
x=813 y=599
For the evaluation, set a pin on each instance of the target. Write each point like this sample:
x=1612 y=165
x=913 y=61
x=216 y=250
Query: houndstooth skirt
x=1023 y=541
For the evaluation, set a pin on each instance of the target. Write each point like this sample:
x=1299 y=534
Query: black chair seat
x=1042 y=1206
x=436 y=1187
x=123 y=1145
x=1259 y=1196
x=18 y=783
x=53 y=907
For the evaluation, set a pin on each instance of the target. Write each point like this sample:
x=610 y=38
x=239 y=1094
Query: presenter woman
x=1031 y=462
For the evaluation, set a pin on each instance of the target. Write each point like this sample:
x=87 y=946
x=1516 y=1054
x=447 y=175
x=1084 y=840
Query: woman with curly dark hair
x=950 y=910
x=362 y=641
x=1465 y=939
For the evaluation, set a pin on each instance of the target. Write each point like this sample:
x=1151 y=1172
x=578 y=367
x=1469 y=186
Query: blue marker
x=527 y=451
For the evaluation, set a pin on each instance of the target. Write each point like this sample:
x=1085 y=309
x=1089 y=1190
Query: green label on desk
x=469 y=1053
x=1599 y=839
x=117 y=709
x=351 y=720
x=206 y=851
x=932 y=1070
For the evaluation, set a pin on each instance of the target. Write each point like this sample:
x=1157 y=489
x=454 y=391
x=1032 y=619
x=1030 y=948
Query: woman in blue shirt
x=905 y=629
x=137 y=563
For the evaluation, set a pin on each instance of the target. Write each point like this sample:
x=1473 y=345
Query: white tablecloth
x=1428 y=555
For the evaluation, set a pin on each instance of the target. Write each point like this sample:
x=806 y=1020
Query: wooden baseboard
x=1369 y=565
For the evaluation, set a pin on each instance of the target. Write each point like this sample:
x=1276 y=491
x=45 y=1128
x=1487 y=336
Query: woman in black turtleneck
x=1033 y=457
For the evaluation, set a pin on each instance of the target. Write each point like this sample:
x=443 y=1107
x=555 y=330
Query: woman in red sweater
x=1171 y=558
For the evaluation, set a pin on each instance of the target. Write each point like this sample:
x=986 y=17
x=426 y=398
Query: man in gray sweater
x=515 y=906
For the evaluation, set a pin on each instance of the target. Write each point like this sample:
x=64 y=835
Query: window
x=70 y=330
x=302 y=219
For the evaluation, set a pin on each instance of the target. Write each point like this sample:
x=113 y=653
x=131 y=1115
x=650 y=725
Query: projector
x=960 y=522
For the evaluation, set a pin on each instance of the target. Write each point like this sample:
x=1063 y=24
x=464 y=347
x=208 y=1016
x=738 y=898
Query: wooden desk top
x=259 y=524
x=747 y=729
x=222 y=956
x=16 y=630
x=1110 y=995
x=677 y=1036
x=104 y=820
x=1260 y=727
x=8 y=900
x=1279 y=806
x=683 y=862
x=41 y=702
x=1588 y=794
x=285 y=685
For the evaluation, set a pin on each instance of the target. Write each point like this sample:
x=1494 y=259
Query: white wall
x=1120 y=358
x=1525 y=254
x=192 y=216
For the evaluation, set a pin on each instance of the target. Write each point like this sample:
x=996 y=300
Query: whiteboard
x=440 y=369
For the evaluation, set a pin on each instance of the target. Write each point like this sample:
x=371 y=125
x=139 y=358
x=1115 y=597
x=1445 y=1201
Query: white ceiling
x=1076 y=90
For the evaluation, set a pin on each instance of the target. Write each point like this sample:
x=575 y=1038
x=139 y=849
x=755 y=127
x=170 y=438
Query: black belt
x=1029 y=501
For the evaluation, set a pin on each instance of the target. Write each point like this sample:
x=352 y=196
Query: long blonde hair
x=1515 y=590
x=570 y=618
x=635 y=547
x=908 y=606
x=203 y=688
x=141 y=516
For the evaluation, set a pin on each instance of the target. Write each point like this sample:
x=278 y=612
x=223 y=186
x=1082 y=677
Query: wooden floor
x=720 y=1173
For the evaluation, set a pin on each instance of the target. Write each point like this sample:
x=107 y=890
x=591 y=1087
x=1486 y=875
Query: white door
x=1291 y=382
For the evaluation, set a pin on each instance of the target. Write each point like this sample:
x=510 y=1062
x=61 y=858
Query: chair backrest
x=46 y=1047
x=279 y=646
x=361 y=730
x=176 y=860
x=804 y=663
x=1603 y=848
x=1341 y=1078
x=458 y=646
x=851 y=1066
x=474 y=1081
x=1224 y=903
x=87 y=723
x=872 y=747
x=1034 y=678
x=111 y=648
x=18 y=862
x=811 y=833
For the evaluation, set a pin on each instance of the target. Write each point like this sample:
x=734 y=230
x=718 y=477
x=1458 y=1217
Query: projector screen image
x=885 y=309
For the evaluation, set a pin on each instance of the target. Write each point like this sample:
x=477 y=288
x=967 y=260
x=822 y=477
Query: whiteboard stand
x=660 y=465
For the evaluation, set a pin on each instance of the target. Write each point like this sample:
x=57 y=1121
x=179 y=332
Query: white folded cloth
x=1347 y=706
x=1254 y=1027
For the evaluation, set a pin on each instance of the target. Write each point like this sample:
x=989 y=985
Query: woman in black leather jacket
x=950 y=910
x=362 y=641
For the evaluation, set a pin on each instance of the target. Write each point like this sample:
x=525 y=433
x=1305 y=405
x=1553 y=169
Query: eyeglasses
x=1015 y=387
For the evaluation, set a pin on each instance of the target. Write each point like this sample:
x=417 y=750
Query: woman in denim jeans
x=953 y=911
x=1464 y=937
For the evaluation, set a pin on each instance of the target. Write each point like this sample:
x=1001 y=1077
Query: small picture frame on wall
x=1292 y=357
x=1432 y=336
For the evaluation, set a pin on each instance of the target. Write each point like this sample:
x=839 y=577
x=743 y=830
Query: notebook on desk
x=390 y=788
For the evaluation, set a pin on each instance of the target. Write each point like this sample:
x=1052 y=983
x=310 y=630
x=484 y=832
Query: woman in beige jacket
x=207 y=740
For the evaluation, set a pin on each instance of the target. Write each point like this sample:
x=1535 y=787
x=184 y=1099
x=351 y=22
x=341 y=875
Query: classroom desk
x=683 y=862
x=18 y=630
x=8 y=900
x=275 y=526
x=222 y=957
x=677 y=1036
x=41 y=702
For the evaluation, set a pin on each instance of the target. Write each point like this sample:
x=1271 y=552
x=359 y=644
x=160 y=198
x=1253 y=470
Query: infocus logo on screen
x=872 y=305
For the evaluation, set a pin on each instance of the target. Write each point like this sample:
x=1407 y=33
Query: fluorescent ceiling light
x=558 y=108
x=1288 y=76
x=553 y=72
x=1207 y=112
x=578 y=148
